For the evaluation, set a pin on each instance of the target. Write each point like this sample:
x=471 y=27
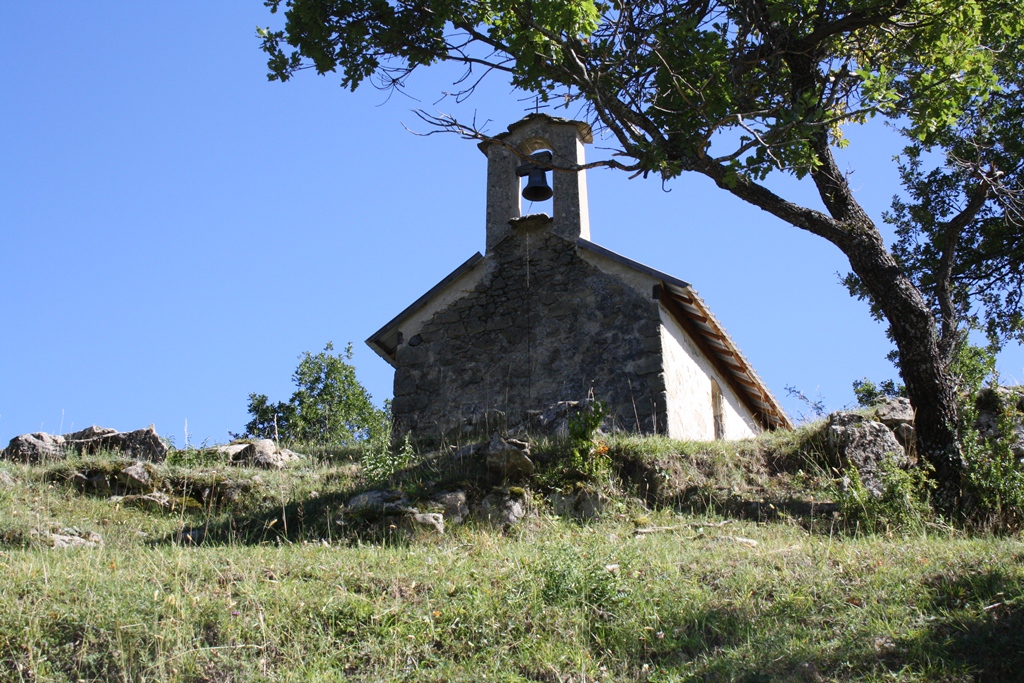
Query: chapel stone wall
x=542 y=326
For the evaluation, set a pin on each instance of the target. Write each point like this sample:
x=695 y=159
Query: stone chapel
x=545 y=316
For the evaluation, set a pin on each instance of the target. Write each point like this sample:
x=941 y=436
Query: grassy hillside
x=709 y=562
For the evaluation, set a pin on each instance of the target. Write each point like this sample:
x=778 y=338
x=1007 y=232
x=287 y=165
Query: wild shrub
x=381 y=461
x=995 y=475
x=903 y=505
x=585 y=457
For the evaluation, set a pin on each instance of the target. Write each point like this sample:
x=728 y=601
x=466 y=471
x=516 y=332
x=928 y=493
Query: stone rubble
x=509 y=458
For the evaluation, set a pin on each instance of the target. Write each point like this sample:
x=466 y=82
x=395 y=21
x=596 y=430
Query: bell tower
x=510 y=152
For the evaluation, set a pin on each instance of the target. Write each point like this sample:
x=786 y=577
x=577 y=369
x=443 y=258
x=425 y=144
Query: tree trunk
x=930 y=387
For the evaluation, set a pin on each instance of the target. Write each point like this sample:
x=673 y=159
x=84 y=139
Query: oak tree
x=736 y=90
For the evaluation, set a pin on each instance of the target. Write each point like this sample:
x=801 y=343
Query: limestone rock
x=72 y=537
x=509 y=458
x=231 y=450
x=135 y=477
x=907 y=436
x=35 y=448
x=372 y=504
x=263 y=453
x=431 y=519
x=894 y=412
x=864 y=444
x=142 y=444
x=6 y=480
x=502 y=508
x=89 y=433
x=995 y=402
x=581 y=504
x=454 y=506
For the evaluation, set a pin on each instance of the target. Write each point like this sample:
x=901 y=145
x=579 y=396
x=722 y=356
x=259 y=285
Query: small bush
x=585 y=458
x=903 y=505
x=380 y=461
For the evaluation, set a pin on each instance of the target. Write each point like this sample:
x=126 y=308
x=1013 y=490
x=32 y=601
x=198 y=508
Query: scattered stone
x=34 y=448
x=372 y=504
x=894 y=412
x=262 y=453
x=509 y=458
x=454 y=506
x=432 y=519
x=135 y=477
x=7 y=480
x=72 y=537
x=501 y=508
x=580 y=504
x=864 y=444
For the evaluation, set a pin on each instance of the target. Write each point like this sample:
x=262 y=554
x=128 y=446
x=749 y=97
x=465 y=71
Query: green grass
x=286 y=587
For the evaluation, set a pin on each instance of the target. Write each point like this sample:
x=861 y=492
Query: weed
x=902 y=504
x=382 y=462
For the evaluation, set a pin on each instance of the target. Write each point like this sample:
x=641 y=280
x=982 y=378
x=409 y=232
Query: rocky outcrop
x=996 y=407
x=142 y=444
x=509 y=458
x=864 y=445
x=264 y=453
x=501 y=508
x=34 y=448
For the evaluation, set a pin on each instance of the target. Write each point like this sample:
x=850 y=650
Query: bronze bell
x=536 y=189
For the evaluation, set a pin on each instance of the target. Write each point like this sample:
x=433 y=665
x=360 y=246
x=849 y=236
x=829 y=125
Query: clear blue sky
x=175 y=230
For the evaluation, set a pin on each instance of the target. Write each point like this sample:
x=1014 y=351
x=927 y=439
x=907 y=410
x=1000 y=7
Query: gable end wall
x=542 y=325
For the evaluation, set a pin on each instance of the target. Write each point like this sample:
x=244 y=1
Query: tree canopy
x=329 y=406
x=738 y=89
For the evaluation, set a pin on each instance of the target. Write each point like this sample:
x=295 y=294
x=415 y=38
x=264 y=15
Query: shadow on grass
x=979 y=631
x=324 y=517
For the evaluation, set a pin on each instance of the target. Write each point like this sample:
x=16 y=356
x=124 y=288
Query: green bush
x=380 y=461
x=586 y=458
